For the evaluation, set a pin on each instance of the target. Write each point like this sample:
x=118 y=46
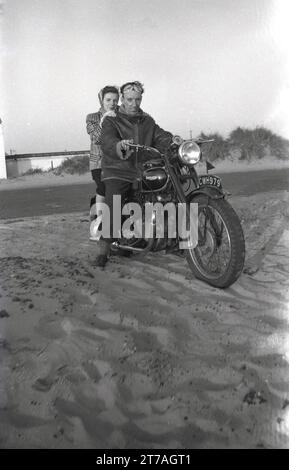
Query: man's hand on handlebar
x=123 y=150
x=124 y=144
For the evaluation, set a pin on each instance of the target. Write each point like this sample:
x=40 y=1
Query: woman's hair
x=105 y=90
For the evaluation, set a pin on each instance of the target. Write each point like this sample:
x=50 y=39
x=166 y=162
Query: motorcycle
x=217 y=254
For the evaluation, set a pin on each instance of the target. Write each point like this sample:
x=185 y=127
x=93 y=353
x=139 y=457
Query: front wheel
x=219 y=255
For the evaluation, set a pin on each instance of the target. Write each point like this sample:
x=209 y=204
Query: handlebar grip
x=136 y=146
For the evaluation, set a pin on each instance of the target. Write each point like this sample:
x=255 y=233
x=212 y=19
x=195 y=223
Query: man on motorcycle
x=119 y=166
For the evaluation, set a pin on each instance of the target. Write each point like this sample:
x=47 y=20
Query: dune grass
x=76 y=165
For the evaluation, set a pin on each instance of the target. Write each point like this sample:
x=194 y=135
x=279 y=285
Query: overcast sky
x=207 y=65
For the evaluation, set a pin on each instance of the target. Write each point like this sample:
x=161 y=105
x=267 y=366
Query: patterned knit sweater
x=94 y=130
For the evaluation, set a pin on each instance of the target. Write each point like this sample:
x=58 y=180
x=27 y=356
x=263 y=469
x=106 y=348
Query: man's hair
x=136 y=86
x=105 y=90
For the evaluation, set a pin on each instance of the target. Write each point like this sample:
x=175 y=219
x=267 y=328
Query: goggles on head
x=134 y=86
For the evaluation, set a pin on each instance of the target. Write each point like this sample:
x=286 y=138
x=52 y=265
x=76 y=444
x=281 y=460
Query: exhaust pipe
x=130 y=248
x=136 y=250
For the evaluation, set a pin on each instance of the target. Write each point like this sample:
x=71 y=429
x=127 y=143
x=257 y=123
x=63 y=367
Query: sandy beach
x=43 y=179
x=141 y=354
x=50 y=179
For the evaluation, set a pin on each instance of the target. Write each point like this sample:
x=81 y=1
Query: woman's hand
x=111 y=113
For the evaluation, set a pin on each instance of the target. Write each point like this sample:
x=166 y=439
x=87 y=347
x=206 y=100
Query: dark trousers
x=115 y=187
x=96 y=176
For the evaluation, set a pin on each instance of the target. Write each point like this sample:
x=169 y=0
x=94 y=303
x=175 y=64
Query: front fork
x=210 y=193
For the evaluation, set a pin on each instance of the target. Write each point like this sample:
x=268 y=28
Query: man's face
x=131 y=101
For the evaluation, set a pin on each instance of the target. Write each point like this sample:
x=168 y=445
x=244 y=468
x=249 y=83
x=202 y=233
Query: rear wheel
x=219 y=256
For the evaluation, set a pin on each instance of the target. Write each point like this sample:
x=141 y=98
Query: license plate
x=210 y=180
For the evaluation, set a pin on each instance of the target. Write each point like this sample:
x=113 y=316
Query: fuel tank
x=154 y=179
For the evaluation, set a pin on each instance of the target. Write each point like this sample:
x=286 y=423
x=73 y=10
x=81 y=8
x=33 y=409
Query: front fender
x=212 y=193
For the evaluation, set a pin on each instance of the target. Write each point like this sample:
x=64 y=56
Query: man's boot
x=102 y=252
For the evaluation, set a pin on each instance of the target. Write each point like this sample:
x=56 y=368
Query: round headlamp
x=189 y=152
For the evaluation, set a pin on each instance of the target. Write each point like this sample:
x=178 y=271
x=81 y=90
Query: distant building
x=3 y=172
x=20 y=163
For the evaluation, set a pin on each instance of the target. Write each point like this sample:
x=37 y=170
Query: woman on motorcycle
x=108 y=98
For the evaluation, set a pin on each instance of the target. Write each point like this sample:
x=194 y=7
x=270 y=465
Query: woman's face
x=110 y=101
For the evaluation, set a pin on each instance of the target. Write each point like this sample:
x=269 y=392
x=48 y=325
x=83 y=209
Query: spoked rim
x=208 y=255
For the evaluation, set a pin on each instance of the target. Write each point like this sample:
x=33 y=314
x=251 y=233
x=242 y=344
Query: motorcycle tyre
x=234 y=228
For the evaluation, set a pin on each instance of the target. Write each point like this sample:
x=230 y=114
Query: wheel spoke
x=213 y=252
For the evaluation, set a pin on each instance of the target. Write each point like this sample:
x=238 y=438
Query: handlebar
x=142 y=147
x=146 y=147
x=204 y=141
